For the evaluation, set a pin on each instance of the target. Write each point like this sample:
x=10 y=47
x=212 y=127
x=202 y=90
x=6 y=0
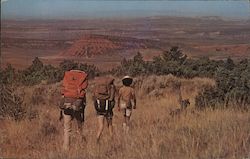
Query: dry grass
x=154 y=134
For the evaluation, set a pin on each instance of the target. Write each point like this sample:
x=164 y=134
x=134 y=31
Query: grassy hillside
x=220 y=133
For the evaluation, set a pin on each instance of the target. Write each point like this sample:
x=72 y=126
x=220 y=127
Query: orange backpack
x=74 y=84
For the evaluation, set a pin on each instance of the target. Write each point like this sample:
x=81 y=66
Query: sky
x=78 y=9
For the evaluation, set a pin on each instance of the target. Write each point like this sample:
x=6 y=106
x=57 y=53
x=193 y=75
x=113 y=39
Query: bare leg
x=100 y=119
x=67 y=131
x=80 y=124
x=110 y=126
x=127 y=120
x=124 y=124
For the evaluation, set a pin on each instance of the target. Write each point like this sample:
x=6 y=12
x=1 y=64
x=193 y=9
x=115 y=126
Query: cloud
x=2 y=1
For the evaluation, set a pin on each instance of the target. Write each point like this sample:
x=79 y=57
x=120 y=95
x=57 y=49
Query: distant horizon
x=77 y=9
x=125 y=18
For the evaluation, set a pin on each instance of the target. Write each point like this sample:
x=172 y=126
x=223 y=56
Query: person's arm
x=118 y=100
x=112 y=93
x=83 y=108
x=93 y=94
x=61 y=115
x=134 y=98
x=62 y=90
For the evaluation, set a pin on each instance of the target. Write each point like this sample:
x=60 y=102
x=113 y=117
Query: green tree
x=229 y=64
x=67 y=65
x=37 y=65
x=174 y=54
x=9 y=75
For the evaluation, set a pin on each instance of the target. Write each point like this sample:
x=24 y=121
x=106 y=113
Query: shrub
x=170 y=62
x=11 y=104
x=67 y=65
x=38 y=96
x=232 y=87
x=38 y=72
x=232 y=79
x=48 y=129
x=133 y=67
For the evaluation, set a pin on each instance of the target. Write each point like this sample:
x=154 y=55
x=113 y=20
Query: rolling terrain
x=212 y=132
x=106 y=41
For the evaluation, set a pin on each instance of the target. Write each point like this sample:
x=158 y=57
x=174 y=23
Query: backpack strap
x=102 y=105
x=98 y=103
x=107 y=105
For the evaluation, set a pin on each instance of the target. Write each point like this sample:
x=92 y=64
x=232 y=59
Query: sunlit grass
x=207 y=134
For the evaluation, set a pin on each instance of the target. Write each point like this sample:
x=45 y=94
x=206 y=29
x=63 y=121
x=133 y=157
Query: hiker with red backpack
x=126 y=101
x=73 y=102
x=104 y=102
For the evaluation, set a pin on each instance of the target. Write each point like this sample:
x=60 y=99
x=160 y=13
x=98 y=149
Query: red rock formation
x=91 y=45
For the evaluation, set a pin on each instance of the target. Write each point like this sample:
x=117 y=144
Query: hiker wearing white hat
x=126 y=100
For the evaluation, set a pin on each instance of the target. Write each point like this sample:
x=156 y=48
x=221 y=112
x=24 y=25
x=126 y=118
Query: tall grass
x=221 y=133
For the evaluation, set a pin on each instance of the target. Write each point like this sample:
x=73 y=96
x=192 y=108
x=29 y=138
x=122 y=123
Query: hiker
x=73 y=102
x=104 y=102
x=126 y=101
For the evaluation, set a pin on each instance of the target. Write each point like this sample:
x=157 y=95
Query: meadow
x=202 y=134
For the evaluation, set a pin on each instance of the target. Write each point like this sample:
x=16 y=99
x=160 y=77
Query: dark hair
x=127 y=81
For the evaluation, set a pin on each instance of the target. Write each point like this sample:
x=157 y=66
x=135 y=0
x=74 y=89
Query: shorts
x=127 y=112
x=77 y=104
x=126 y=107
x=124 y=104
x=105 y=108
x=108 y=115
x=75 y=108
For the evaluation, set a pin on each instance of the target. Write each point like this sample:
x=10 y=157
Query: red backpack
x=74 y=84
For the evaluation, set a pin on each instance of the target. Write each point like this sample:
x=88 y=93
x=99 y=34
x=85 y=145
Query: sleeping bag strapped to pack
x=104 y=94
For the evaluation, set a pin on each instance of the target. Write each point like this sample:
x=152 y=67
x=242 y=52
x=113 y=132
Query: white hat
x=127 y=77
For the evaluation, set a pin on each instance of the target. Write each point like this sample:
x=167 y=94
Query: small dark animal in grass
x=184 y=104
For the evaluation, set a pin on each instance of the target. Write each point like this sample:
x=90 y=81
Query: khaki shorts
x=123 y=105
x=127 y=112
x=126 y=108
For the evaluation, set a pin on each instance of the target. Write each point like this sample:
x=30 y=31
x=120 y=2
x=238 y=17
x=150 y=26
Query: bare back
x=126 y=93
